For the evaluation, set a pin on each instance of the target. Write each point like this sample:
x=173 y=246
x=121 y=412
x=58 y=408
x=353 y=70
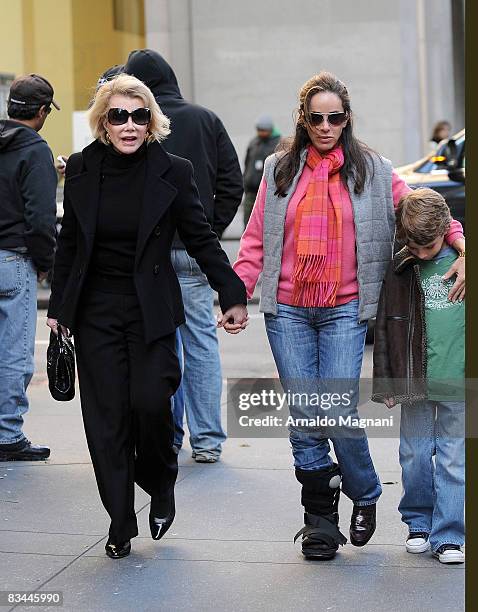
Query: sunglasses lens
x=117 y=116
x=141 y=116
x=337 y=118
x=334 y=118
x=316 y=118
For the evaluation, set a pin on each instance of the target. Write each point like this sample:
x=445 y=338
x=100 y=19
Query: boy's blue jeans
x=432 y=456
x=314 y=344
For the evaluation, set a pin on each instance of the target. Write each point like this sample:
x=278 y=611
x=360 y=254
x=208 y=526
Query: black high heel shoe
x=117 y=551
x=158 y=522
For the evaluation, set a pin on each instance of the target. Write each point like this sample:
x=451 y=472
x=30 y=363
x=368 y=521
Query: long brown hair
x=355 y=152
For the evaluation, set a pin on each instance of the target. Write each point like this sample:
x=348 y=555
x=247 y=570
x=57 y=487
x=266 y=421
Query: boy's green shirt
x=445 y=330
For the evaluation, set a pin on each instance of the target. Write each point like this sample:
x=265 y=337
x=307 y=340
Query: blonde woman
x=115 y=290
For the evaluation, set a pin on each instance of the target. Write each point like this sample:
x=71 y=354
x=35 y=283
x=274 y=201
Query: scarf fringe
x=320 y=294
x=309 y=268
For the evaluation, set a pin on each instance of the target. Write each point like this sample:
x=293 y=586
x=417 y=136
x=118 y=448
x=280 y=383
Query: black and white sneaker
x=450 y=553
x=417 y=542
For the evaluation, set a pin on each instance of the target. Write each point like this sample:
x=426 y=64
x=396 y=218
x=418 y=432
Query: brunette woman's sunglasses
x=333 y=118
x=120 y=116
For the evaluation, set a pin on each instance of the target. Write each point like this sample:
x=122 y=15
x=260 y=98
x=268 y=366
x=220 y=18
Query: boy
x=419 y=362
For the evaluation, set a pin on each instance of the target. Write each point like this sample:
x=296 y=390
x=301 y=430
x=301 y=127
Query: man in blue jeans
x=27 y=241
x=198 y=135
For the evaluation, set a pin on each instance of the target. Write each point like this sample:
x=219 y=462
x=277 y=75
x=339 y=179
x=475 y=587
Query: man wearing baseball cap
x=32 y=91
x=27 y=242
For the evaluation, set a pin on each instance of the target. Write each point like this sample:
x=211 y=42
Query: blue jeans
x=433 y=489
x=18 y=317
x=311 y=345
x=201 y=384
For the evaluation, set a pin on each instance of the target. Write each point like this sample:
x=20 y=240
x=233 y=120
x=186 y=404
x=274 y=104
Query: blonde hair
x=130 y=86
x=422 y=216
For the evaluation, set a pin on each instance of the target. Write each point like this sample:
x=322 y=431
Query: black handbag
x=60 y=367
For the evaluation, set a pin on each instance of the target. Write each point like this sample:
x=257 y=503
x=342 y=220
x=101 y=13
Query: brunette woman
x=321 y=233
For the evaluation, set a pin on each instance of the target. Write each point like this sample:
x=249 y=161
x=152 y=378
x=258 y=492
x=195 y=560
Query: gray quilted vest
x=374 y=218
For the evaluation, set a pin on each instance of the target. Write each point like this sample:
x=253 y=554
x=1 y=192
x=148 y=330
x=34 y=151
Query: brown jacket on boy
x=400 y=350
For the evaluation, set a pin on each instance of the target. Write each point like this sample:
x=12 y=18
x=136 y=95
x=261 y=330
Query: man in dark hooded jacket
x=27 y=241
x=198 y=135
x=260 y=147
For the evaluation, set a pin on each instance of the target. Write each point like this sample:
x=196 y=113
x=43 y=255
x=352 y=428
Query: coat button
x=157 y=231
x=156 y=269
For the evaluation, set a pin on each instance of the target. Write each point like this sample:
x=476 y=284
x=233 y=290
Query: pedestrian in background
x=115 y=289
x=441 y=131
x=322 y=233
x=260 y=147
x=27 y=242
x=432 y=339
x=200 y=136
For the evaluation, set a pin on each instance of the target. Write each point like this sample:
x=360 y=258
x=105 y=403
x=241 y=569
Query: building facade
x=402 y=60
x=70 y=43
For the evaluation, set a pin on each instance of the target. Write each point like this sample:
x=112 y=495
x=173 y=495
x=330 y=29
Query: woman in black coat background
x=115 y=289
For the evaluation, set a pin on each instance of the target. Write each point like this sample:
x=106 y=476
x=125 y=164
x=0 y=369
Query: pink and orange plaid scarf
x=318 y=232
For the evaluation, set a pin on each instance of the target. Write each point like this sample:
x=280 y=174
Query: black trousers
x=125 y=390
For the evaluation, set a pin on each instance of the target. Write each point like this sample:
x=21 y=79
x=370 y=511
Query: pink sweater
x=249 y=260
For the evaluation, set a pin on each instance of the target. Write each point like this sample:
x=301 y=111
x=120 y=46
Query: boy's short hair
x=422 y=216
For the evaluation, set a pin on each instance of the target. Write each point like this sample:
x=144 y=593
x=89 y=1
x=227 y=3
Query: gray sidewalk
x=230 y=548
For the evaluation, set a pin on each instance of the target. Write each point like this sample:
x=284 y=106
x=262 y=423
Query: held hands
x=53 y=325
x=457 y=292
x=234 y=320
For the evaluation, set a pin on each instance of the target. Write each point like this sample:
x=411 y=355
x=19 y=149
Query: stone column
x=169 y=31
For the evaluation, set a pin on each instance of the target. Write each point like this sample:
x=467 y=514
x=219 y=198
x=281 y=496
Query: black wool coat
x=171 y=202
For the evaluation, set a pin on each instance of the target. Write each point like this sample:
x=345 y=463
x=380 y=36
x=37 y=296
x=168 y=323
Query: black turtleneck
x=121 y=197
